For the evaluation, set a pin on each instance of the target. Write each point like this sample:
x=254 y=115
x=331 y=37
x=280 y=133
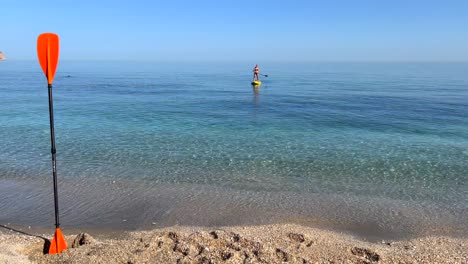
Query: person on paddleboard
x=256 y=72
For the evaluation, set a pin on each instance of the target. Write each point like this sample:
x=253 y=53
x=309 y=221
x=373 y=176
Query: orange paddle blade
x=48 y=54
x=58 y=243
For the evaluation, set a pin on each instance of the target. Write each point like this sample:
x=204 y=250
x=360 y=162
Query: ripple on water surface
x=390 y=138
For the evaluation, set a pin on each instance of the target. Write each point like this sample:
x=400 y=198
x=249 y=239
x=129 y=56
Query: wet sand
x=132 y=205
x=137 y=222
x=245 y=244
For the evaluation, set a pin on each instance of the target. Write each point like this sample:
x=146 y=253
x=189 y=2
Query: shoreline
x=109 y=206
x=249 y=244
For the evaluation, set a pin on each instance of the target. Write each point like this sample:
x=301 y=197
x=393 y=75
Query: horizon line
x=250 y=61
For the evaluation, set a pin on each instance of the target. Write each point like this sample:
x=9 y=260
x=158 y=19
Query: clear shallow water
x=365 y=134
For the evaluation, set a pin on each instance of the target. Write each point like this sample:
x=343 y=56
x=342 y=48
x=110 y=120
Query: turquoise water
x=392 y=132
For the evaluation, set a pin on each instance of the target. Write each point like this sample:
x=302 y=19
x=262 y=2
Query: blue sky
x=238 y=30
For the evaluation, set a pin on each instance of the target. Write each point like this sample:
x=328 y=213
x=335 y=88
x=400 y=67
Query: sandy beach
x=281 y=243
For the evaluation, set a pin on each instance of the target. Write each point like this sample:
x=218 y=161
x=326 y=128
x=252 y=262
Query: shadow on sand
x=46 y=247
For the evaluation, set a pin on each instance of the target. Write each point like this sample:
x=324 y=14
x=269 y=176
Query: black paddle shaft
x=53 y=151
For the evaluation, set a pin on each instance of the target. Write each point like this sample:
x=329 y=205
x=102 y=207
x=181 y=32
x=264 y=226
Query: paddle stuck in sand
x=48 y=53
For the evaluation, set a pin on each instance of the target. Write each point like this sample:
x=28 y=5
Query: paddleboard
x=256 y=83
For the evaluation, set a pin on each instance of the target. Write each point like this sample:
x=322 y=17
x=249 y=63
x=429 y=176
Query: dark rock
x=296 y=237
x=160 y=243
x=365 y=253
x=173 y=236
x=235 y=237
x=226 y=255
x=410 y=247
x=283 y=256
x=82 y=239
x=214 y=234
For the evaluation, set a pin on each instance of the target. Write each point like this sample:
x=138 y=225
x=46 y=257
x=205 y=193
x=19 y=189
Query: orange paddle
x=48 y=53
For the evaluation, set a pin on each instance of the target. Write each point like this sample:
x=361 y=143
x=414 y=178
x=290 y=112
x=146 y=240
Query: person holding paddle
x=256 y=72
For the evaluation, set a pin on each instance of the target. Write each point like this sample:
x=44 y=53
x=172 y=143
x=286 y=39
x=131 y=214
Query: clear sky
x=239 y=30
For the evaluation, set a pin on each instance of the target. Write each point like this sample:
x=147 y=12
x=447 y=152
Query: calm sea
x=373 y=148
